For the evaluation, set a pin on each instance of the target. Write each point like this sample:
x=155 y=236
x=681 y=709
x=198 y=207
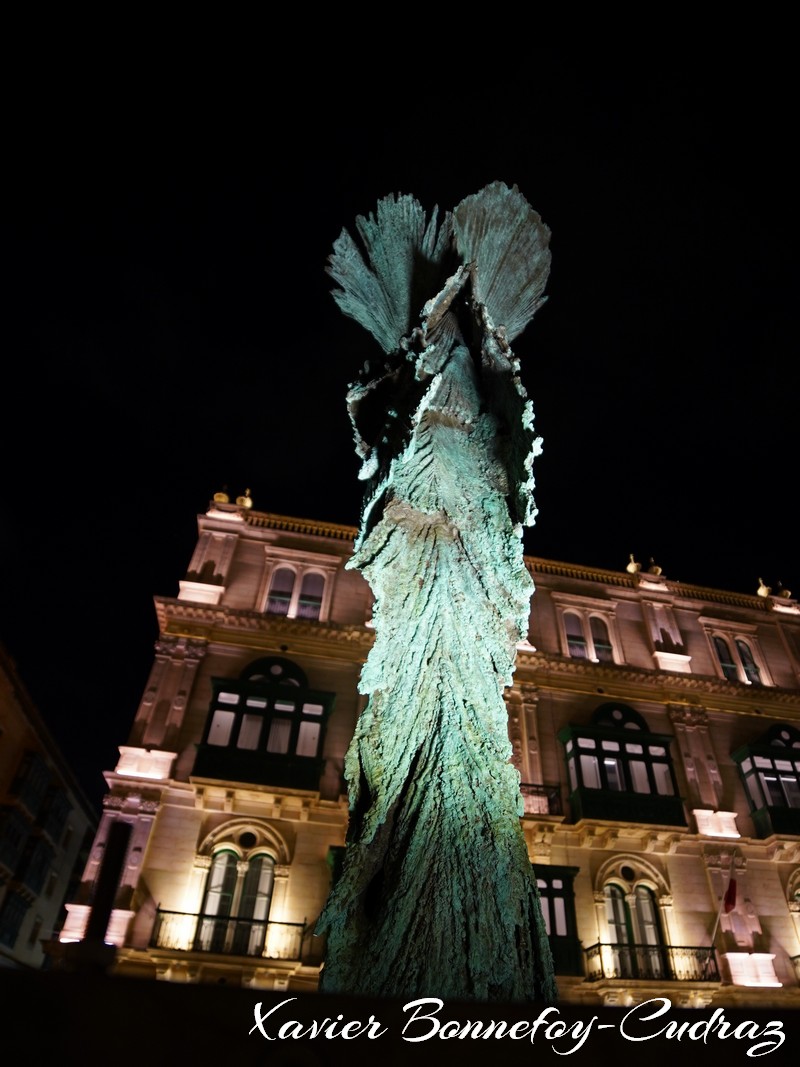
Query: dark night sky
x=170 y=331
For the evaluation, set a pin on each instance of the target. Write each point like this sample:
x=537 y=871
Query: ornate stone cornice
x=537 y=666
x=537 y=566
x=198 y=621
x=303 y=526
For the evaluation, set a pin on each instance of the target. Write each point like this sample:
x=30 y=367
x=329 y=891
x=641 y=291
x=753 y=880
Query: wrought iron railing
x=541 y=799
x=667 y=963
x=184 y=932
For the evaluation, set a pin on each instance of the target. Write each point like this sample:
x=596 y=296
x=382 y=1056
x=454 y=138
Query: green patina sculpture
x=436 y=895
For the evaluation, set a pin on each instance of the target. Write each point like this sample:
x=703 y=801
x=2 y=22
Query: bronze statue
x=437 y=895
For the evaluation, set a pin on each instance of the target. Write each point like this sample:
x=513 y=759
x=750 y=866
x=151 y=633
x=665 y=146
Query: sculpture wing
x=499 y=231
x=403 y=261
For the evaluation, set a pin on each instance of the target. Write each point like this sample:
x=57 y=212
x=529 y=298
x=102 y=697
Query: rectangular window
x=545 y=906
x=250 y=731
x=780 y=788
x=308 y=740
x=553 y=905
x=589 y=772
x=558 y=912
x=279 y=732
x=12 y=915
x=663 y=779
x=639 y=779
x=219 y=732
x=560 y=916
x=754 y=791
x=791 y=791
x=613 y=774
x=277 y=715
x=573 y=778
x=772 y=790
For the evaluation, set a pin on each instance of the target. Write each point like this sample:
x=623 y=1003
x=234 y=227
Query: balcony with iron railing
x=184 y=932
x=541 y=799
x=665 y=963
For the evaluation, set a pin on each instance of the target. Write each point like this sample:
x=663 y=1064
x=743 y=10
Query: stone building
x=46 y=825
x=655 y=726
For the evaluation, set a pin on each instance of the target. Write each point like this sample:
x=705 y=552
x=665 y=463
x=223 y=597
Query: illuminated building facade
x=655 y=726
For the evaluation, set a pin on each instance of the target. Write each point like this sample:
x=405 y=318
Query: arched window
x=576 y=642
x=236 y=903
x=602 y=642
x=280 y=591
x=212 y=929
x=619 y=932
x=752 y=673
x=254 y=904
x=310 y=603
x=588 y=633
x=740 y=658
x=635 y=932
x=726 y=659
x=296 y=594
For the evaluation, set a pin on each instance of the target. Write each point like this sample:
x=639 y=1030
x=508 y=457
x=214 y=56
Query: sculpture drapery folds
x=437 y=896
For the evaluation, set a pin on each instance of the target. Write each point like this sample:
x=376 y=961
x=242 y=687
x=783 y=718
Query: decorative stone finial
x=244 y=501
x=221 y=498
x=633 y=567
x=653 y=568
x=763 y=590
x=785 y=593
